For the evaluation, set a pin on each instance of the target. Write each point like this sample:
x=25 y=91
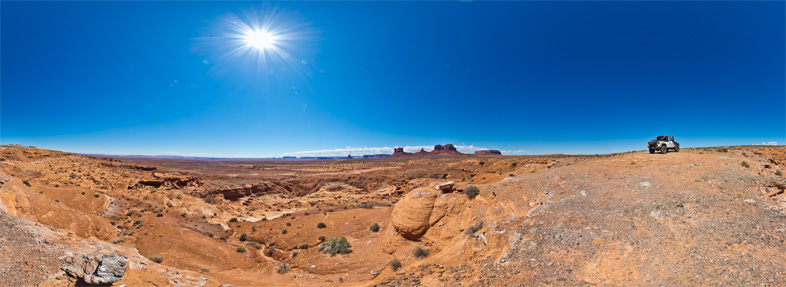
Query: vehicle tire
x=664 y=149
x=677 y=148
x=652 y=150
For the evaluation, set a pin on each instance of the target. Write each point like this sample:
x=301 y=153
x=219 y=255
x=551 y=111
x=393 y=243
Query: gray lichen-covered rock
x=96 y=269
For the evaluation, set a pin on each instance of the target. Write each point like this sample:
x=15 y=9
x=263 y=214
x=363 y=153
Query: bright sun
x=260 y=39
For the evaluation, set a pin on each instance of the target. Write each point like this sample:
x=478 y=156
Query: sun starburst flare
x=268 y=39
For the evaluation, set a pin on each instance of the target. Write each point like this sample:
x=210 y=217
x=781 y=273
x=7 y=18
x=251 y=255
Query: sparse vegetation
x=474 y=228
x=240 y=250
x=270 y=251
x=27 y=182
x=322 y=238
x=204 y=270
x=233 y=219
x=471 y=191
x=210 y=200
x=283 y=268
x=303 y=246
x=374 y=227
x=321 y=225
x=745 y=164
x=156 y=258
x=778 y=173
x=420 y=252
x=395 y=264
x=243 y=237
x=336 y=245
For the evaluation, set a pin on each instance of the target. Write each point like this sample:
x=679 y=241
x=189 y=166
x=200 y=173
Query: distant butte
x=447 y=149
x=488 y=152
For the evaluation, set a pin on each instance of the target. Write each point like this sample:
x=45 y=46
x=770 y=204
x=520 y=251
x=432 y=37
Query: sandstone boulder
x=411 y=214
x=96 y=269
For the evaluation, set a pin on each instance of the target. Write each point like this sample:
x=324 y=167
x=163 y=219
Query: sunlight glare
x=260 y=39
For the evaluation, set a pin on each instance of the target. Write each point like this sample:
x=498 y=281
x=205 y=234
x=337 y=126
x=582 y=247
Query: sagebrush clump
x=471 y=191
x=474 y=228
x=420 y=252
x=395 y=264
x=336 y=245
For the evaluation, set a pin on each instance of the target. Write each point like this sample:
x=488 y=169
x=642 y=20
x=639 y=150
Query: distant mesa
x=447 y=149
x=488 y=152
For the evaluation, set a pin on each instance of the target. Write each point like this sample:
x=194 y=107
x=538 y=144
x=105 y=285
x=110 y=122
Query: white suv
x=663 y=144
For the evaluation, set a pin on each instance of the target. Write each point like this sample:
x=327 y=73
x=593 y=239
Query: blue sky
x=524 y=77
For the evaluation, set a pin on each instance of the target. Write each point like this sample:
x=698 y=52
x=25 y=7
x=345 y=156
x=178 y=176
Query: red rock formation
x=488 y=152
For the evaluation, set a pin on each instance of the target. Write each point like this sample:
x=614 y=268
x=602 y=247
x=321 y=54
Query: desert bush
x=303 y=246
x=745 y=164
x=97 y=195
x=294 y=254
x=282 y=269
x=395 y=264
x=204 y=269
x=270 y=251
x=240 y=250
x=474 y=228
x=284 y=231
x=255 y=245
x=366 y=205
x=321 y=225
x=156 y=258
x=778 y=173
x=374 y=227
x=243 y=237
x=233 y=219
x=160 y=215
x=471 y=191
x=27 y=182
x=336 y=245
x=420 y=252
x=210 y=200
x=321 y=239
x=722 y=149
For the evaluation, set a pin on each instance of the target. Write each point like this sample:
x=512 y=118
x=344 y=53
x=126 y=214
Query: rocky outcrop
x=96 y=269
x=171 y=180
x=236 y=192
x=411 y=214
x=447 y=149
x=488 y=152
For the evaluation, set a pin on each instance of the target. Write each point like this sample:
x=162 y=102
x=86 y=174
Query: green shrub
x=210 y=200
x=420 y=252
x=374 y=227
x=395 y=264
x=240 y=250
x=270 y=251
x=471 y=191
x=284 y=231
x=204 y=270
x=321 y=225
x=778 y=173
x=255 y=245
x=243 y=237
x=303 y=246
x=336 y=245
x=233 y=219
x=156 y=258
x=321 y=239
x=27 y=182
x=745 y=164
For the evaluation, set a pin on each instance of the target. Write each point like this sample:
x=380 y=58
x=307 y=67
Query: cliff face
x=488 y=152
